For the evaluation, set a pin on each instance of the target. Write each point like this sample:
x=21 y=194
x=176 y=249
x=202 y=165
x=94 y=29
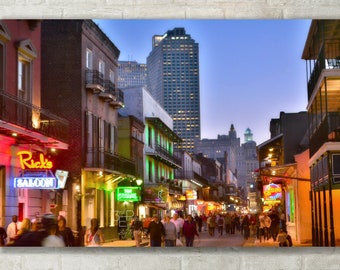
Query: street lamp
x=139 y=181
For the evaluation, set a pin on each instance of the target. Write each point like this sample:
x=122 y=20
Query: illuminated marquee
x=131 y=194
x=37 y=174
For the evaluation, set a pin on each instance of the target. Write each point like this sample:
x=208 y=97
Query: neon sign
x=191 y=194
x=131 y=194
x=272 y=192
x=27 y=161
x=36 y=173
x=34 y=182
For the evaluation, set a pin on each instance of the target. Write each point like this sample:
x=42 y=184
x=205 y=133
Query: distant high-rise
x=131 y=73
x=173 y=80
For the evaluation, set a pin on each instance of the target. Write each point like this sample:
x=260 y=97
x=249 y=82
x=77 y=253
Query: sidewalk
x=125 y=243
x=253 y=242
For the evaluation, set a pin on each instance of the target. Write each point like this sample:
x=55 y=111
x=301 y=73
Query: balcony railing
x=327 y=131
x=328 y=58
x=164 y=155
x=98 y=158
x=105 y=88
x=94 y=80
x=19 y=112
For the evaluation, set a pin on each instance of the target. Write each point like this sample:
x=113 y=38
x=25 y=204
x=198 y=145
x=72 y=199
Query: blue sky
x=250 y=70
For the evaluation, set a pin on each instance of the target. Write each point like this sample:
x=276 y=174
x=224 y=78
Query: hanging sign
x=36 y=173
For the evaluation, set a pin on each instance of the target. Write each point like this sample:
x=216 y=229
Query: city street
x=230 y=240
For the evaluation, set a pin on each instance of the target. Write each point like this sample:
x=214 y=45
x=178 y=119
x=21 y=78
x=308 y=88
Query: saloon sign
x=36 y=172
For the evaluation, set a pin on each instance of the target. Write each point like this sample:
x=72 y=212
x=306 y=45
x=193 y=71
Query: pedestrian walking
x=170 y=232
x=156 y=232
x=246 y=227
x=65 y=232
x=227 y=223
x=137 y=226
x=211 y=225
x=190 y=231
x=220 y=224
x=266 y=221
x=178 y=221
x=94 y=236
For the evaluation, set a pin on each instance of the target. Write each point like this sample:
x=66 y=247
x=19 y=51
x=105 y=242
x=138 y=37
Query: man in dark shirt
x=156 y=232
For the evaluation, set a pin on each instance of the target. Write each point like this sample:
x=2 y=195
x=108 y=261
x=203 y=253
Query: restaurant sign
x=36 y=173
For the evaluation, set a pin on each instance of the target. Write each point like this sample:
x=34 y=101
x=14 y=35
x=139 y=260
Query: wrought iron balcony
x=119 y=99
x=94 y=81
x=163 y=155
x=98 y=158
x=32 y=123
x=329 y=130
x=328 y=59
x=106 y=89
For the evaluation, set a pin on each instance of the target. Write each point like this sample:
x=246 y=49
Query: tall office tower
x=173 y=80
x=131 y=73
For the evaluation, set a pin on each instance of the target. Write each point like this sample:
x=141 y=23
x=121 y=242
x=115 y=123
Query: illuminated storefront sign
x=62 y=177
x=36 y=183
x=272 y=192
x=36 y=173
x=191 y=194
x=131 y=194
x=27 y=161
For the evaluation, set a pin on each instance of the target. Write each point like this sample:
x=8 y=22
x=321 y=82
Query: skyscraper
x=173 y=80
x=131 y=73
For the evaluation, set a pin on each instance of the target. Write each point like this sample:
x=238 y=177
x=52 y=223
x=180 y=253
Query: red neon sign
x=27 y=161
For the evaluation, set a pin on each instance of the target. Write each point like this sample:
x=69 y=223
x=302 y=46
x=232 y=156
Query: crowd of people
x=179 y=230
x=169 y=231
x=262 y=226
x=52 y=231
x=47 y=231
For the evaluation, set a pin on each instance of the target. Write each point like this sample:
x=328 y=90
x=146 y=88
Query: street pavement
x=205 y=240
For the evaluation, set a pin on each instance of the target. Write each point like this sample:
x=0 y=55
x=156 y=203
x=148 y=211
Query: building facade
x=225 y=148
x=283 y=180
x=160 y=160
x=322 y=55
x=79 y=80
x=247 y=160
x=173 y=80
x=31 y=137
x=131 y=73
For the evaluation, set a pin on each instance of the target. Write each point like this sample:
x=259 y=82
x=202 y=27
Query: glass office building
x=173 y=80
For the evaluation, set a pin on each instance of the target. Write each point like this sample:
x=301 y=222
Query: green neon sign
x=131 y=194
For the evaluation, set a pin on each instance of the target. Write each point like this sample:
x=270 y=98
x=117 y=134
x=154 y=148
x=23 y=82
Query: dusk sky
x=250 y=70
